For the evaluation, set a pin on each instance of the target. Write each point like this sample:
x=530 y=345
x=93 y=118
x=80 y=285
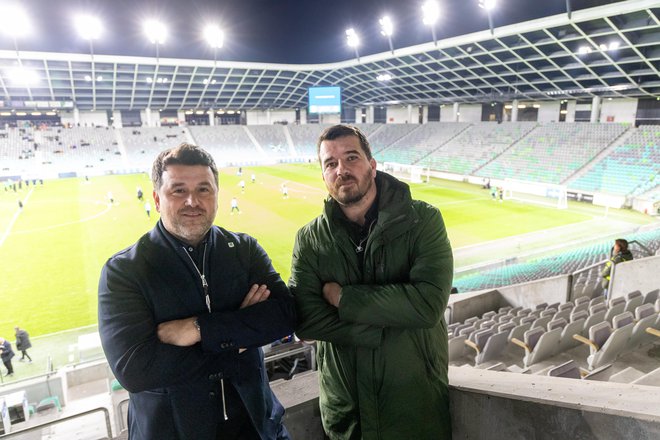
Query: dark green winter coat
x=382 y=355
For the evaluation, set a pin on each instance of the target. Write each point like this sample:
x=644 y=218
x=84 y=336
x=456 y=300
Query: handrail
x=122 y=426
x=64 y=419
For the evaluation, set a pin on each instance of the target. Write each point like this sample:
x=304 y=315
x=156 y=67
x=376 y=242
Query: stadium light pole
x=387 y=29
x=90 y=28
x=431 y=12
x=353 y=41
x=215 y=38
x=489 y=5
x=156 y=33
x=16 y=24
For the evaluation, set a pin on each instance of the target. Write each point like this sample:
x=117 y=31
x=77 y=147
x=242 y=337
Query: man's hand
x=181 y=332
x=332 y=293
x=256 y=294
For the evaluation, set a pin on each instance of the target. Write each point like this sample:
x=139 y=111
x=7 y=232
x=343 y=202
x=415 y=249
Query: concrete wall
x=618 y=110
x=549 y=111
x=469 y=113
x=633 y=275
x=38 y=388
x=548 y=290
x=398 y=115
x=86 y=119
x=570 y=111
x=501 y=405
x=265 y=117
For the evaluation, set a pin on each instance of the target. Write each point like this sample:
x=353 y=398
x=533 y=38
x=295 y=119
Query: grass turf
x=52 y=250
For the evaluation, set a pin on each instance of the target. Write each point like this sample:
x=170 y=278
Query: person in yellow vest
x=618 y=254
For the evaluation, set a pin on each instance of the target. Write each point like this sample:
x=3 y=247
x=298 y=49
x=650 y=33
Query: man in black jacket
x=184 y=311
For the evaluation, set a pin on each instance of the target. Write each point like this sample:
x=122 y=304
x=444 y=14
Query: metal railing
x=105 y=411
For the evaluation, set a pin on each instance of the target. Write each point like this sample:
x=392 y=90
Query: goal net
x=538 y=193
x=412 y=173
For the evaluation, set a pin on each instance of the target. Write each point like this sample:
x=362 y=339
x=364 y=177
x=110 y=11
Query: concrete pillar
x=370 y=114
x=76 y=116
x=268 y=121
x=211 y=117
x=514 y=111
x=410 y=115
x=358 y=115
x=181 y=116
x=457 y=110
x=595 y=109
x=147 y=113
x=116 y=119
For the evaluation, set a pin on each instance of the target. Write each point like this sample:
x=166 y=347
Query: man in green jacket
x=371 y=277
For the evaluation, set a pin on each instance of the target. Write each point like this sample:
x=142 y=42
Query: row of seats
x=607 y=328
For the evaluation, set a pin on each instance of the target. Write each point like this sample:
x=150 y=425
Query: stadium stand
x=562 y=263
x=304 y=138
x=271 y=138
x=228 y=144
x=631 y=168
x=142 y=144
x=476 y=146
x=548 y=154
x=421 y=142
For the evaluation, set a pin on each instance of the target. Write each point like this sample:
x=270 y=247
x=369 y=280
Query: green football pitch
x=52 y=250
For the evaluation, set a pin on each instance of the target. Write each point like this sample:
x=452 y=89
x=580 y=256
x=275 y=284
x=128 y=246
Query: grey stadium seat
x=568 y=369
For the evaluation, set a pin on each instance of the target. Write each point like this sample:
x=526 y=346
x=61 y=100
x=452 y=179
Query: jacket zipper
x=207 y=298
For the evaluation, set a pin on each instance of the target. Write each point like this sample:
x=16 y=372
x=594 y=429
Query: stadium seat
x=518 y=332
x=457 y=347
x=633 y=300
x=616 y=306
x=539 y=345
x=542 y=322
x=596 y=300
x=651 y=296
x=507 y=327
x=566 y=341
x=645 y=316
x=49 y=403
x=568 y=369
x=652 y=379
x=581 y=300
x=557 y=323
x=605 y=344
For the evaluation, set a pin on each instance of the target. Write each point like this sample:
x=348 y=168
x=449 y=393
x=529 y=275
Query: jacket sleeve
x=259 y=324
x=421 y=301
x=318 y=320
x=128 y=335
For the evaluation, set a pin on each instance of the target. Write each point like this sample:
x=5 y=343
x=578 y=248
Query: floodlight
x=214 y=36
x=431 y=12
x=99 y=78
x=384 y=77
x=88 y=26
x=386 y=26
x=352 y=38
x=603 y=47
x=614 y=45
x=488 y=5
x=15 y=22
x=88 y=78
x=584 y=50
x=155 y=31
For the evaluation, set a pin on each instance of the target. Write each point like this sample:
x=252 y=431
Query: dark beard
x=351 y=198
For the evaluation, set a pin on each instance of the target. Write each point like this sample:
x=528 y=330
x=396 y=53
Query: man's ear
x=156 y=200
x=372 y=162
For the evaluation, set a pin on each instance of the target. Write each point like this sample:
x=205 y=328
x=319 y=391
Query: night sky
x=277 y=31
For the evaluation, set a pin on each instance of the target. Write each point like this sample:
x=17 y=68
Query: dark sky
x=278 y=31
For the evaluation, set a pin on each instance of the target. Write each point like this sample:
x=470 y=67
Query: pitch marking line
x=82 y=220
x=13 y=220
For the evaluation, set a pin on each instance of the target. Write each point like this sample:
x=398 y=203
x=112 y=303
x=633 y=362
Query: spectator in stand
x=23 y=343
x=618 y=254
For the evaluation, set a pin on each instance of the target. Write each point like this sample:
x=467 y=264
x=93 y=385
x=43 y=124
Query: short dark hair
x=184 y=154
x=623 y=244
x=341 y=130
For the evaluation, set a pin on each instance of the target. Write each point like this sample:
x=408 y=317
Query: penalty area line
x=13 y=220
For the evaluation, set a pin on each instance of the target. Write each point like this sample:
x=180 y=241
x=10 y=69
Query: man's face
x=187 y=201
x=347 y=172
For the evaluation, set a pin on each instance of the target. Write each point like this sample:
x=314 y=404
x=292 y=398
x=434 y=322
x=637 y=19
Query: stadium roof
x=609 y=51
